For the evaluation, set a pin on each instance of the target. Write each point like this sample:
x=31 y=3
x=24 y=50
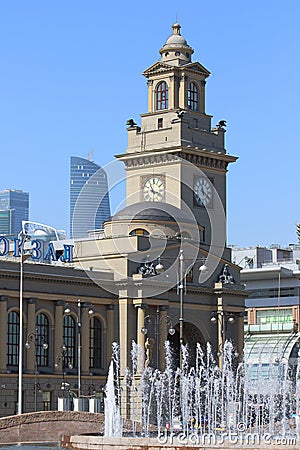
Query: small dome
x=157 y=218
x=134 y=212
x=176 y=50
x=176 y=37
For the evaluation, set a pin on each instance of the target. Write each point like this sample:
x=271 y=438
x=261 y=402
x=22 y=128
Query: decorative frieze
x=144 y=160
x=205 y=161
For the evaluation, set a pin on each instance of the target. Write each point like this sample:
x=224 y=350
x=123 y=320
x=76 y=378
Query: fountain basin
x=133 y=443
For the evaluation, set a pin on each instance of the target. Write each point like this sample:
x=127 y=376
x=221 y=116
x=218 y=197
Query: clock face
x=202 y=191
x=153 y=189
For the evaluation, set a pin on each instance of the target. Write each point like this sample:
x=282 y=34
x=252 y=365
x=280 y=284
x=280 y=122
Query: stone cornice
x=43 y=277
x=52 y=279
x=200 y=158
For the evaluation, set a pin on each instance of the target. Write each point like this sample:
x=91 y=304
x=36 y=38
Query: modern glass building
x=89 y=197
x=14 y=207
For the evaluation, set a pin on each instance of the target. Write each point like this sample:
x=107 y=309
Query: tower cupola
x=176 y=50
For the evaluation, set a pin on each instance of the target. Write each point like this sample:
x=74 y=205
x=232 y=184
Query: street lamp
x=38 y=341
x=67 y=311
x=23 y=237
x=181 y=289
x=157 y=320
x=64 y=362
x=222 y=318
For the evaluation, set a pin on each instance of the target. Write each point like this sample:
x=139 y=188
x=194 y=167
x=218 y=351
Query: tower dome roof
x=160 y=212
x=176 y=49
x=176 y=37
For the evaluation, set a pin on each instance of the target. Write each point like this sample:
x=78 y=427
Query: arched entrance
x=191 y=337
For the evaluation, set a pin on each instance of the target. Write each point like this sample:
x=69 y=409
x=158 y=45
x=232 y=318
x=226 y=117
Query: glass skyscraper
x=14 y=207
x=89 y=197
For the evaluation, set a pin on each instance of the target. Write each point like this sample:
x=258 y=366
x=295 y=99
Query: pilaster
x=182 y=92
x=31 y=352
x=202 y=96
x=110 y=338
x=3 y=319
x=240 y=337
x=125 y=304
x=126 y=330
x=58 y=331
x=172 y=94
x=150 y=95
x=140 y=337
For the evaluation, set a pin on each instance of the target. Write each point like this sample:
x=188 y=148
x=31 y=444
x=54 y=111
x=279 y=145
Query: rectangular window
x=95 y=344
x=274 y=316
x=195 y=123
x=160 y=123
x=46 y=401
x=272 y=293
x=13 y=339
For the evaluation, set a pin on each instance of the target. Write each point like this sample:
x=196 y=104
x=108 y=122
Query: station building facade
x=161 y=263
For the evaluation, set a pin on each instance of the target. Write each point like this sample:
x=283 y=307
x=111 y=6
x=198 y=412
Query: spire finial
x=176 y=28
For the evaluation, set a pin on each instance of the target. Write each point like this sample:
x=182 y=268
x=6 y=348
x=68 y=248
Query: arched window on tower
x=192 y=97
x=42 y=337
x=162 y=95
x=13 y=330
x=96 y=344
x=69 y=339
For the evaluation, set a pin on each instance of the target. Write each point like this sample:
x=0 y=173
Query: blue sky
x=71 y=76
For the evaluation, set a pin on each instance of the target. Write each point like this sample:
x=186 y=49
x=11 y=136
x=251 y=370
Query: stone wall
x=48 y=426
x=101 y=443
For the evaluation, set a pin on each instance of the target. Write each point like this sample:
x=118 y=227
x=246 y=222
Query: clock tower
x=166 y=250
x=176 y=156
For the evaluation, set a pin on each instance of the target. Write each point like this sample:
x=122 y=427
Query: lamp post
x=38 y=341
x=23 y=237
x=78 y=312
x=63 y=361
x=181 y=293
x=157 y=320
x=222 y=318
x=181 y=288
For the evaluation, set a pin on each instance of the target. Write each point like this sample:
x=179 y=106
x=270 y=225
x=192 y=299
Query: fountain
x=207 y=400
x=199 y=404
x=113 y=420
